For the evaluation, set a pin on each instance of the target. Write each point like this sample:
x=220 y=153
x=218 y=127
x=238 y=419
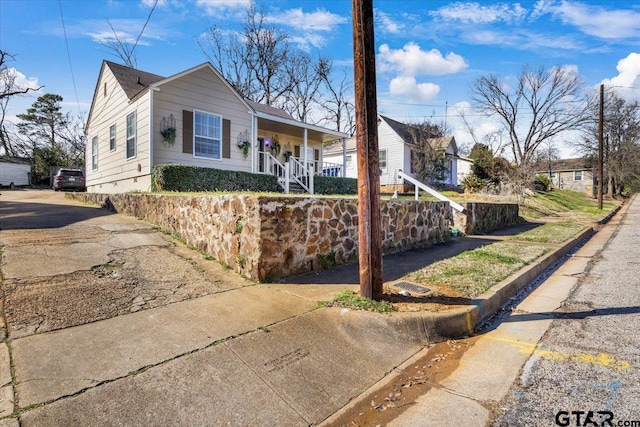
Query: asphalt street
x=586 y=368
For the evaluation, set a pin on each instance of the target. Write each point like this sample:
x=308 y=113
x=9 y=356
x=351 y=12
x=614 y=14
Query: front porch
x=289 y=149
x=295 y=174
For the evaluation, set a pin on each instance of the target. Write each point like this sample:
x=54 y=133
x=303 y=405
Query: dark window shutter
x=296 y=151
x=411 y=161
x=226 y=139
x=187 y=131
x=316 y=152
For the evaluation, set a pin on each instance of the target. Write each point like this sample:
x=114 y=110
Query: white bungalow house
x=139 y=119
x=396 y=146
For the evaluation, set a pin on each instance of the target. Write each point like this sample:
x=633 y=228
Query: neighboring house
x=396 y=146
x=572 y=174
x=14 y=170
x=139 y=119
x=464 y=168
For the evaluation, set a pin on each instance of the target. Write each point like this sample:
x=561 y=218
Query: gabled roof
x=131 y=80
x=267 y=109
x=336 y=147
x=567 y=165
x=15 y=160
x=404 y=131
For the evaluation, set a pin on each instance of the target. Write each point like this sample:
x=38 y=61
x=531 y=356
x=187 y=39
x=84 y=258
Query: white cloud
x=472 y=12
x=411 y=60
x=408 y=88
x=542 y=7
x=218 y=7
x=627 y=80
x=309 y=26
x=19 y=80
x=386 y=24
x=319 y=20
x=523 y=40
x=599 y=22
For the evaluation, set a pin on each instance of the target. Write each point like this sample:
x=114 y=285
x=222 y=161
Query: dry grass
x=474 y=272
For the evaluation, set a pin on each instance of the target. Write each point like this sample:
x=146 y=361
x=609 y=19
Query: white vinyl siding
x=115 y=172
x=207 y=135
x=112 y=137
x=131 y=135
x=94 y=153
x=201 y=90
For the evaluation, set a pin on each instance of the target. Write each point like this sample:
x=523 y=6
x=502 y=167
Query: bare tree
x=9 y=88
x=336 y=103
x=257 y=62
x=428 y=158
x=543 y=104
x=261 y=64
x=124 y=50
x=622 y=141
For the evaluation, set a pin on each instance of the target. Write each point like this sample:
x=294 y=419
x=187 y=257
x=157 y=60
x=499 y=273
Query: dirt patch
x=133 y=279
x=438 y=299
x=387 y=402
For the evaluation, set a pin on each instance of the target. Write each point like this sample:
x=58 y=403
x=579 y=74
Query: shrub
x=541 y=183
x=334 y=185
x=193 y=178
x=472 y=183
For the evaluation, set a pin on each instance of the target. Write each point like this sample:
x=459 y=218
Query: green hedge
x=334 y=185
x=193 y=178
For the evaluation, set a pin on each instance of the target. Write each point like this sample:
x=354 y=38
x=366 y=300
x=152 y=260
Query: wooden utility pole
x=600 y=149
x=369 y=226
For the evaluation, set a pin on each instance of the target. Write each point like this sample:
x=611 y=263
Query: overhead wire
x=66 y=42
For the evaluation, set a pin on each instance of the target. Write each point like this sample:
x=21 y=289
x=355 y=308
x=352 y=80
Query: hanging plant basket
x=244 y=146
x=169 y=136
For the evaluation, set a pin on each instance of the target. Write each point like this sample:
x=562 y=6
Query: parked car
x=72 y=179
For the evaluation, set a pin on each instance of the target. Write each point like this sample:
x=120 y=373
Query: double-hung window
x=131 y=135
x=112 y=137
x=207 y=134
x=382 y=159
x=577 y=175
x=94 y=153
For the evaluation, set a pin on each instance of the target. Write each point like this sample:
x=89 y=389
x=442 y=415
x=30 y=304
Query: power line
x=66 y=42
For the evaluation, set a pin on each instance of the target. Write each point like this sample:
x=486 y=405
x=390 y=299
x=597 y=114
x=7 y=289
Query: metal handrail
x=422 y=186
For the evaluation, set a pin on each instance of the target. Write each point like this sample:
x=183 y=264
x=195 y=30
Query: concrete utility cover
x=412 y=287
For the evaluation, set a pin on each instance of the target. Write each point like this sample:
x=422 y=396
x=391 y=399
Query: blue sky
x=429 y=52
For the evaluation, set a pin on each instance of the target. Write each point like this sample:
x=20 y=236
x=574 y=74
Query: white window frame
x=577 y=175
x=349 y=159
x=112 y=137
x=131 y=136
x=207 y=139
x=382 y=164
x=94 y=153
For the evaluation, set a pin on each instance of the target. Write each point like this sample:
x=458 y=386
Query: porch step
x=296 y=188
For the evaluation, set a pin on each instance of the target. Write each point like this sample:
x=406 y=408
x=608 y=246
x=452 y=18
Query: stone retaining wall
x=484 y=217
x=266 y=238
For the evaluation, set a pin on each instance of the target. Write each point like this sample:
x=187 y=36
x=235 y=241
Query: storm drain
x=412 y=287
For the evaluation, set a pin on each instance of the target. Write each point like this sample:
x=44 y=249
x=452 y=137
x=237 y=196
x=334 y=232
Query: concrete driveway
x=109 y=322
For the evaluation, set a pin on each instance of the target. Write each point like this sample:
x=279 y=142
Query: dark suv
x=72 y=179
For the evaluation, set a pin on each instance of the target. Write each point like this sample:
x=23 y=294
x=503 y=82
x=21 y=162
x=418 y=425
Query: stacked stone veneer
x=483 y=217
x=266 y=238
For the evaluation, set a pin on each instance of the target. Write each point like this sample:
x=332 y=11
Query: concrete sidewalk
x=234 y=354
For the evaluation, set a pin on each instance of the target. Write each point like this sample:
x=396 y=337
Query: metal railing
x=422 y=186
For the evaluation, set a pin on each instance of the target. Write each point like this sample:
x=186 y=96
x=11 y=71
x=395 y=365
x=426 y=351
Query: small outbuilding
x=14 y=170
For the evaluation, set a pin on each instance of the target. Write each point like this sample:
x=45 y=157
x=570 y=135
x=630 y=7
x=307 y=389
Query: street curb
x=460 y=322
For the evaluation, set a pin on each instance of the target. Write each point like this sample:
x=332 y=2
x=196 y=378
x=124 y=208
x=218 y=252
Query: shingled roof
x=132 y=81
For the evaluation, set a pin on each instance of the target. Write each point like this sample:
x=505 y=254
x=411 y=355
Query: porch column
x=344 y=157
x=254 y=139
x=304 y=146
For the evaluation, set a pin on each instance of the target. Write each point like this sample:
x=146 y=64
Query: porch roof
x=280 y=124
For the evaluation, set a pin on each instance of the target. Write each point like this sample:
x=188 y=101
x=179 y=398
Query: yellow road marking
x=601 y=359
